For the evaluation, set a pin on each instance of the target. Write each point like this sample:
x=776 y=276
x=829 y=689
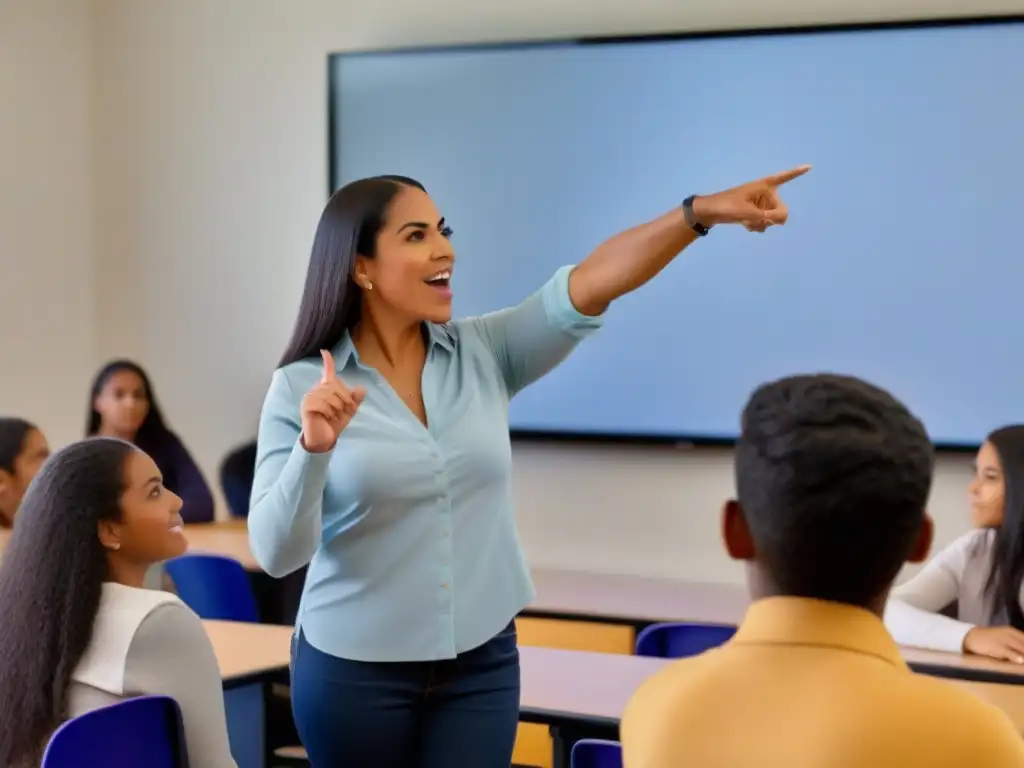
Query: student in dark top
x=236 y=474
x=23 y=449
x=122 y=405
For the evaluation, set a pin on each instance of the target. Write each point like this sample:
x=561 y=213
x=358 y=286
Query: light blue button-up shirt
x=408 y=530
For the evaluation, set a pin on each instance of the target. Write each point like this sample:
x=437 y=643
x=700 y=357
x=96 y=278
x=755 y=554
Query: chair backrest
x=596 y=753
x=236 y=477
x=679 y=640
x=137 y=733
x=213 y=586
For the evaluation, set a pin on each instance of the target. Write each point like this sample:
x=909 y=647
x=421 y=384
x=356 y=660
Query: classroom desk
x=633 y=600
x=229 y=538
x=955 y=666
x=606 y=603
x=584 y=695
x=248 y=653
x=251 y=657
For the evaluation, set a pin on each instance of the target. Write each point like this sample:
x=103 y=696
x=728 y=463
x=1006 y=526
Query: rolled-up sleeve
x=288 y=485
x=530 y=339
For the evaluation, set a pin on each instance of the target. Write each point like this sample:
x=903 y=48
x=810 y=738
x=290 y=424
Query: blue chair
x=596 y=753
x=213 y=586
x=679 y=640
x=218 y=587
x=137 y=733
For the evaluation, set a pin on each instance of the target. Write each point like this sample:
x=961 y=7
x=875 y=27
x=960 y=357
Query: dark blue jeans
x=422 y=714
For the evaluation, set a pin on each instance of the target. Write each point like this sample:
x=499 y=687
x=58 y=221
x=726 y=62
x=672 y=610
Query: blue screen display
x=901 y=263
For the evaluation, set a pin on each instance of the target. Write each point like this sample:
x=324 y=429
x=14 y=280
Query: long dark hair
x=153 y=434
x=51 y=579
x=1007 y=573
x=13 y=432
x=348 y=226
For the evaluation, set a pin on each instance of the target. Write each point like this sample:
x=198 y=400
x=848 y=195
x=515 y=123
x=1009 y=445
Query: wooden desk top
x=560 y=686
x=559 y=593
x=576 y=685
x=964 y=667
x=635 y=598
x=249 y=650
x=229 y=538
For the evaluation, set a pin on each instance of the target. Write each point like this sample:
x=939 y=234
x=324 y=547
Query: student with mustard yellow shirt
x=832 y=476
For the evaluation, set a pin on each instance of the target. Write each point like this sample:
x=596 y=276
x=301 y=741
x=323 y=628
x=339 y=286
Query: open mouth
x=442 y=280
x=177 y=525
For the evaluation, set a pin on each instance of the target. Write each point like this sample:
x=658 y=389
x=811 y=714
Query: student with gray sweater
x=978 y=578
x=80 y=631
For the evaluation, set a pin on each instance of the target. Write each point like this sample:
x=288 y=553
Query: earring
x=369 y=285
x=115 y=545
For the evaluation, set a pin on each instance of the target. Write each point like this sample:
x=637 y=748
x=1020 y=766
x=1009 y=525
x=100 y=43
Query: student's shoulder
x=654 y=696
x=964 y=721
x=122 y=615
x=971 y=542
x=168 y=625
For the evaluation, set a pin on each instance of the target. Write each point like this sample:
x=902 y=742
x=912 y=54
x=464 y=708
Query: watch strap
x=691 y=222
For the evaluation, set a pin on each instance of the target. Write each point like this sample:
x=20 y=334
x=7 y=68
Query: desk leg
x=561 y=748
x=245 y=708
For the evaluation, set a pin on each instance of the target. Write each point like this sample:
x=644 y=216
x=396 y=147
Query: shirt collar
x=442 y=335
x=805 y=621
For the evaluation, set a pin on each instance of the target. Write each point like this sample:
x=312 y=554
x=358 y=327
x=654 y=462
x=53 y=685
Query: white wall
x=211 y=158
x=47 y=221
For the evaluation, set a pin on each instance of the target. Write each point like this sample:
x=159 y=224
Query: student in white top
x=80 y=632
x=978 y=578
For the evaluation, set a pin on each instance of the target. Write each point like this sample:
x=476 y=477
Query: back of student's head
x=832 y=475
x=51 y=578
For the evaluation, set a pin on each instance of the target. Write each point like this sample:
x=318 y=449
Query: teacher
x=384 y=463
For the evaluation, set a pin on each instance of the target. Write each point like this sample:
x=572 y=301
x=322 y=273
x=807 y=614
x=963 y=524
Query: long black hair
x=13 y=432
x=51 y=579
x=153 y=435
x=348 y=227
x=1007 y=573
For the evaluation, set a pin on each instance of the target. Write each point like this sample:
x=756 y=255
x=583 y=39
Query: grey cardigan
x=956 y=574
x=149 y=642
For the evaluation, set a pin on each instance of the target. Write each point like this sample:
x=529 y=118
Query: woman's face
x=411 y=270
x=987 y=490
x=34 y=451
x=150 y=529
x=122 y=403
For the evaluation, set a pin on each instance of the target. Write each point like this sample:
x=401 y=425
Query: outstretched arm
x=532 y=338
x=631 y=258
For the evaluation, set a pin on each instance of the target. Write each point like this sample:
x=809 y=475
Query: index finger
x=329 y=372
x=778 y=179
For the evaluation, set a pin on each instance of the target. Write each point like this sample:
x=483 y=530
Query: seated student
x=23 y=449
x=80 y=632
x=981 y=573
x=122 y=404
x=236 y=476
x=832 y=477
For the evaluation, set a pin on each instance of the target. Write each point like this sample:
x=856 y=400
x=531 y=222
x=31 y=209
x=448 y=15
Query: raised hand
x=327 y=408
x=756 y=204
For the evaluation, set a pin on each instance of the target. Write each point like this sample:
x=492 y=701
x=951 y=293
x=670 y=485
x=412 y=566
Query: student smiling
x=980 y=575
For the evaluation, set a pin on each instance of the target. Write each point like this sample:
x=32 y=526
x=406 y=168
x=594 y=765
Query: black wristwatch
x=696 y=226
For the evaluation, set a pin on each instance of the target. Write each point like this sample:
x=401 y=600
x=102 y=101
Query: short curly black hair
x=832 y=475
